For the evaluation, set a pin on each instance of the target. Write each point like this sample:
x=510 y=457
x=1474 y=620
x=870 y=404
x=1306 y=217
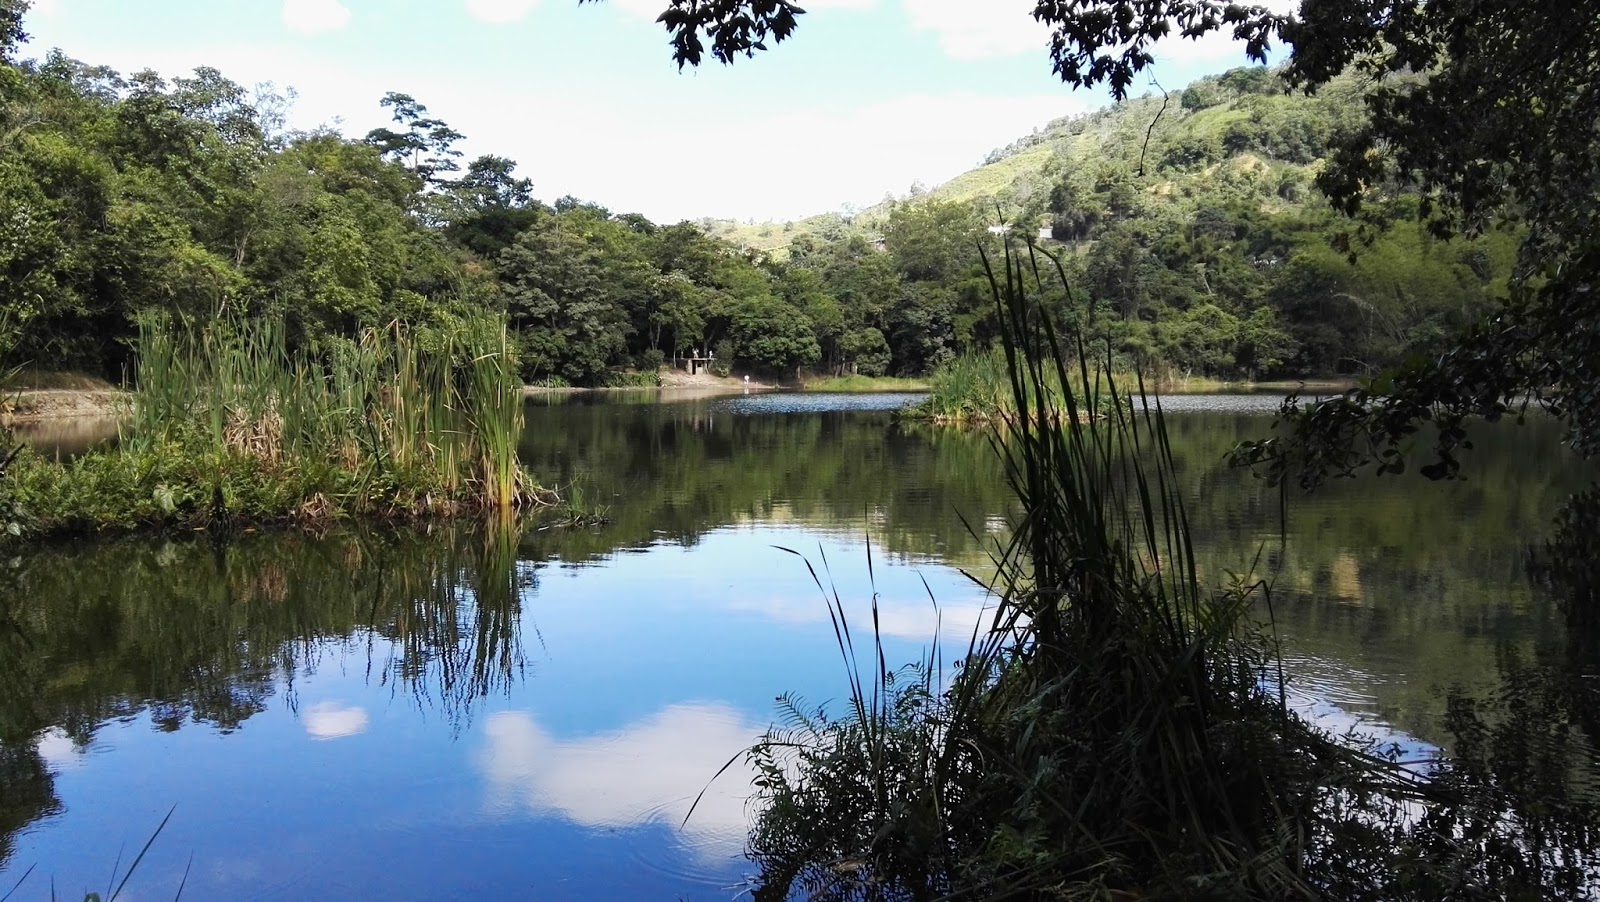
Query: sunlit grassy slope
x=1148 y=135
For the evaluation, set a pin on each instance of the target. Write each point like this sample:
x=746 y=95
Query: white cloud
x=649 y=772
x=969 y=30
x=315 y=16
x=45 y=7
x=500 y=11
x=669 y=166
x=674 y=153
x=329 y=721
x=1215 y=47
x=642 y=9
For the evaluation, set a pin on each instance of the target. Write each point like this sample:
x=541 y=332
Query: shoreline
x=671 y=380
x=44 y=405
x=32 y=406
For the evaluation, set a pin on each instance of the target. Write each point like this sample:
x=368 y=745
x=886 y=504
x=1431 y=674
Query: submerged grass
x=1119 y=729
x=865 y=384
x=231 y=426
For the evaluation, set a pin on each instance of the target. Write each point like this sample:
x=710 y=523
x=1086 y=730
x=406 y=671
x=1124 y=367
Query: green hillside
x=1242 y=121
x=1192 y=220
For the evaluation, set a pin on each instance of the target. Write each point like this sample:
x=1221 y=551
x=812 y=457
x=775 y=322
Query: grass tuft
x=866 y=384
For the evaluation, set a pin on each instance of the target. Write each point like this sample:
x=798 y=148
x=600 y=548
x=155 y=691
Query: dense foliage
x=1189 y=226
x=127 y=195
x=1192 y=235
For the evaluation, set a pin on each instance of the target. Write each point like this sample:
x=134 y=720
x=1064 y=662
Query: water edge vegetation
x=231 y=427
x=859 y=383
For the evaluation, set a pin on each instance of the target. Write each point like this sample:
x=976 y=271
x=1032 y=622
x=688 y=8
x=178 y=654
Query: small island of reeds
x=976 y=390
x=232 y=426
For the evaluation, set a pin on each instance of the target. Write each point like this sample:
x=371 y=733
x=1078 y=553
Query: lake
x=461 y=712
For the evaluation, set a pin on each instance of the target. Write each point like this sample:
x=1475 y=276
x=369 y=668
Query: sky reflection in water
x=647 y=673
x=440 y=717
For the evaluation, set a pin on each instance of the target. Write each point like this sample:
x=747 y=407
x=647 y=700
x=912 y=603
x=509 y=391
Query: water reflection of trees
x=672 y=472
x=201 y=632
x=1377 y=572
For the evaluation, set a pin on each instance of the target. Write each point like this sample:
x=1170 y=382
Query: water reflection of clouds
x=330 y=721
x=648 y=772
x=59 y=751
x=914 y=620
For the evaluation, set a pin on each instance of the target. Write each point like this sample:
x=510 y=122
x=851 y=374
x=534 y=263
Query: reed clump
x=864 y=384
x=1119 y=729
x=975 y=389
x=232 y=425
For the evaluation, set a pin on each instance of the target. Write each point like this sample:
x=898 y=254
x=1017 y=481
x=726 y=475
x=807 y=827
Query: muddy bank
x=41 y=405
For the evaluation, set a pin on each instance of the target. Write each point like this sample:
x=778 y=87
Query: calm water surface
x=464 y=713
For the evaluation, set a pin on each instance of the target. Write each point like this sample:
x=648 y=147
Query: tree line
x=1191 y=237
x=121 y=195
x=1188 y=229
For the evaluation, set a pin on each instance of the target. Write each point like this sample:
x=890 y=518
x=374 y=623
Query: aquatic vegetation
x=1121 y=730
x=976 y=389
x=576 y=507
x=232 y=426
x=858 y=383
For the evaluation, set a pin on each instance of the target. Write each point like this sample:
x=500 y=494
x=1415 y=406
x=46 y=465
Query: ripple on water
x=693 y=859
x=1337 y=697
x=814 y=402
x=1257 y=404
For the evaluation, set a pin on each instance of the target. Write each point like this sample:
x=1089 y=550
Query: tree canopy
x=1194 y=245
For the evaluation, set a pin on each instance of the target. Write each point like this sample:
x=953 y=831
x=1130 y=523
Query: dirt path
x=674 y=380
x=681 y=379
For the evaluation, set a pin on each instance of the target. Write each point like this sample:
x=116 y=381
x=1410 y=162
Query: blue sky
x=868 y=97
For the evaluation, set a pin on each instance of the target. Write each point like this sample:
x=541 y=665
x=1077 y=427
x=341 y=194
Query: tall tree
x=490 y=206
x=426 y=146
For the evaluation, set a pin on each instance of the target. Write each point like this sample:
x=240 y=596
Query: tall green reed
x=1116 y=729
x=976 y=388
x=438 y=410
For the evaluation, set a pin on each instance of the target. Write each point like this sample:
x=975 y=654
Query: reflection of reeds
x=457 y=630
x=210 y=633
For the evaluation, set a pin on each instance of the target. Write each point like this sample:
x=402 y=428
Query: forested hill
x=1193 y=220
x=1206 y=252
